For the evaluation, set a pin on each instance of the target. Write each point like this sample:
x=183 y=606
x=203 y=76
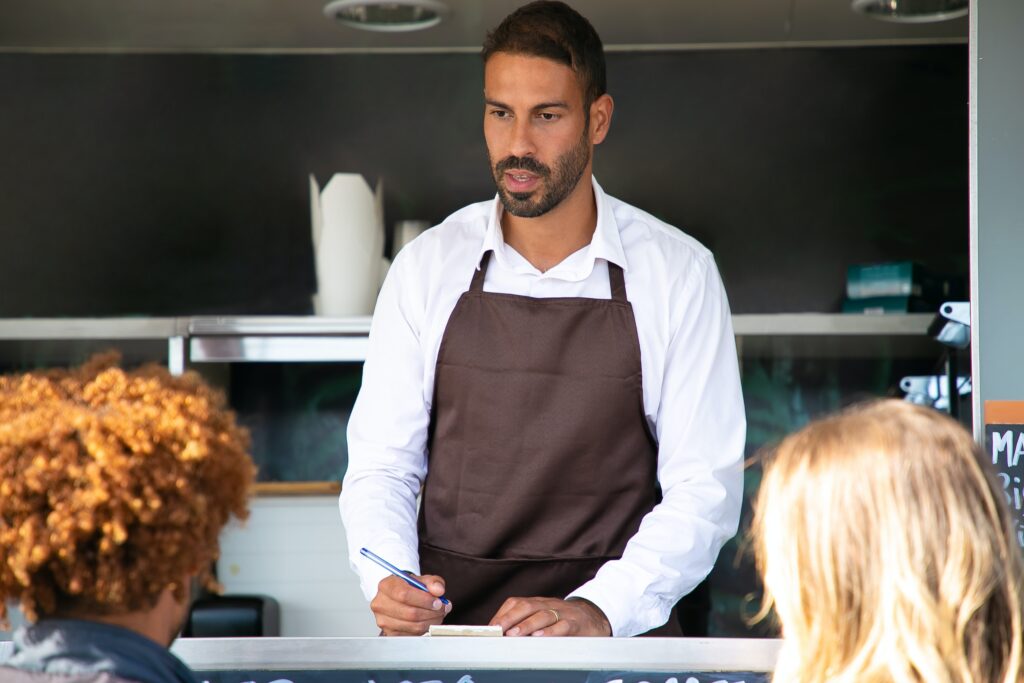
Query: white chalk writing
x=1002 y=442
x=1013 y=491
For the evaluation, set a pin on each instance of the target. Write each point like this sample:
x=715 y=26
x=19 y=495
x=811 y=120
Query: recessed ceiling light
x=912 y=11
x=387 y=15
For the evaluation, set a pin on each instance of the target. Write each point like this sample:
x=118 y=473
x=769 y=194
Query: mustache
x=524 y=164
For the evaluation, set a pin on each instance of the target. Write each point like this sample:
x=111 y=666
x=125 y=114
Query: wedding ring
x=555 y=612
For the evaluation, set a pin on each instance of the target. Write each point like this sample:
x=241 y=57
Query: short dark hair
x=551 y=29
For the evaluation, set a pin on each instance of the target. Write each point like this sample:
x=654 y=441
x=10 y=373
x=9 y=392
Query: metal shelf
x=278 y=339
x=834 y=335
x=745 y=324
x=830 y=324
x=234 y=339
x=278 y=325
x=279 y=349
x=92 y=328
x=34 y=342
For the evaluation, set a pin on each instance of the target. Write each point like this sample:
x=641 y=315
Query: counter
x=479 y=660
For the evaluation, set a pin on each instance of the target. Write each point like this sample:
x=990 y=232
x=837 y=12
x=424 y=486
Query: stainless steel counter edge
x=830 y=324
x=93 y=328
x=766 y=324
x=585 y=654
x=278 y=325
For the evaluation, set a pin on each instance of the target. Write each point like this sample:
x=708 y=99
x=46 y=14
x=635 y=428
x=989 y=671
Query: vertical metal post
x=996 y=203
x=953 y=382
x=176 y=355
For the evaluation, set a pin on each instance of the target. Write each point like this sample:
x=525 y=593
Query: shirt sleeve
x=387 y=434
x=701 y=430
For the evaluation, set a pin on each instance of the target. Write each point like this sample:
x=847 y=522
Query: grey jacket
x=76 y=651
x=9 y=675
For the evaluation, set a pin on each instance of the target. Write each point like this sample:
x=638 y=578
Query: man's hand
x=551 y=617
x=402 y=610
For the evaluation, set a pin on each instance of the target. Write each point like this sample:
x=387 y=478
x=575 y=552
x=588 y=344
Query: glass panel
x=799 y=380
x=297 y=413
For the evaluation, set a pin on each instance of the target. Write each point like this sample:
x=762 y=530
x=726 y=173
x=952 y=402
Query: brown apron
x=541 y=463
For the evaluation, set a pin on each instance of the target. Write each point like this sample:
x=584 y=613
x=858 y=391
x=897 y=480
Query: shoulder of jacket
x=10 y=675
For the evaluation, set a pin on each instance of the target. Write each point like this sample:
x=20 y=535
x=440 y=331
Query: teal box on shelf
x=896 y=279
x=897 y=287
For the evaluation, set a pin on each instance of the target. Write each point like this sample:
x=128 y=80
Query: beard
x=556 y=185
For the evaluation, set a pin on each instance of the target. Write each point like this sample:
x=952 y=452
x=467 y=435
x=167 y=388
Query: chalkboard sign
x=517 y=676
x=1004 y=442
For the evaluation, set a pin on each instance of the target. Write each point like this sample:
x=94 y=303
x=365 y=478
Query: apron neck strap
x=477 y=285
x=617 y=282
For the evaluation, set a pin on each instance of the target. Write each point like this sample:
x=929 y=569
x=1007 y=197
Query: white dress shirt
x=691 y=394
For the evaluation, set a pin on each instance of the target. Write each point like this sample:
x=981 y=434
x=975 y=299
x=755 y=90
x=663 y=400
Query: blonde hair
x=114 y=486
x=888 y=553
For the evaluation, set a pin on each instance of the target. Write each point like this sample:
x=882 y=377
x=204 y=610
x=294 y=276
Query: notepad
x=457 y=630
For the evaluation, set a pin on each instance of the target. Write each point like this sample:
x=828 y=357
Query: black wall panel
x=177 y=184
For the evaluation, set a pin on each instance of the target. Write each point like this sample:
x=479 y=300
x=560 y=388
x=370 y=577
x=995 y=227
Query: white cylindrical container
x=348 y=243
x=405 y=232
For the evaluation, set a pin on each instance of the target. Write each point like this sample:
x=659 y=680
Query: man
x=557 y=371
x=114 y=487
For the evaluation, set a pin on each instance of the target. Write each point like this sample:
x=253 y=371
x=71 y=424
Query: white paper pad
x=456 y=630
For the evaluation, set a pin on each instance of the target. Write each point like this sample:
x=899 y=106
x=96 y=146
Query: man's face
x=537 y=131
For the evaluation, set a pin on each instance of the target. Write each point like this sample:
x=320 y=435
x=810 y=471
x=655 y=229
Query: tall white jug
x=348 y=243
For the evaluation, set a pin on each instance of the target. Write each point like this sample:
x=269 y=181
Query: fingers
x=403 y=625
x=434 y=583
x=396 y=589
x=525 y=616
x=550 y=617
x=542 y=623
x=511 y=612
x=563 y=627
x=401 y=609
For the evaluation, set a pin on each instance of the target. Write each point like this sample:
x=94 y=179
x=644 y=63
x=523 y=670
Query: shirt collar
x=606 y=243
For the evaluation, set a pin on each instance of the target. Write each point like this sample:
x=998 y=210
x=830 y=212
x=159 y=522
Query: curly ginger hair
x=114 y=486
